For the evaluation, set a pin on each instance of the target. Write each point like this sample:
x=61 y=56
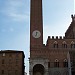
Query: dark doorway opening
x=38 y=69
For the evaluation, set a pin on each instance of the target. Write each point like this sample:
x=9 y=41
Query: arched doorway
x=38 y=69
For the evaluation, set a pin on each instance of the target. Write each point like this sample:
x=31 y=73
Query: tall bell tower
x=37 y=64
x=36 y=23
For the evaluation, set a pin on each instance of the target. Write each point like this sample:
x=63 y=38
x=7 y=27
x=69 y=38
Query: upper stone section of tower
x=70 y=33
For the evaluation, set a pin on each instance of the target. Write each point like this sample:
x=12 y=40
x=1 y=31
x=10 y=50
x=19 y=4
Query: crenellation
x=62 y=43
x=49 y=37
x=56 y=37
x=52 y=37
x=60 y=37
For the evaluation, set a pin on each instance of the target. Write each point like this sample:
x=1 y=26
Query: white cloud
x=7 y=30
x=14 y=10
x=16 y=2
x=18 y=17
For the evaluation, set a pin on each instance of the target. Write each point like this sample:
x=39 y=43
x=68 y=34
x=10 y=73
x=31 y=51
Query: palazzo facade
x=54 y=58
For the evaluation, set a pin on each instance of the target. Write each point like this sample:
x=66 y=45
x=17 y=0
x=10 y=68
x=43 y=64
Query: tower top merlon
x=73 y=17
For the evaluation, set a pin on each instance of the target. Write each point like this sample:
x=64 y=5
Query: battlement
x=60 y=42
x=56 y=37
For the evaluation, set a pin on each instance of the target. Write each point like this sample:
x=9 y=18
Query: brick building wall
x=11 y=62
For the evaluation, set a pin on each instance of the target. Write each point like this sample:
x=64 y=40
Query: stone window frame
x=72 y=44
x=55 y=44
x=65 y=63
x=56 y=63
x=64 y=44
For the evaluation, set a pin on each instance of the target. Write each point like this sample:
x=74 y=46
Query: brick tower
x=36 y=37
x=36 y=23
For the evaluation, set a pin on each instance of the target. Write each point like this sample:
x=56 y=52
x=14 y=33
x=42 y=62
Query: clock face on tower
x=36 y=34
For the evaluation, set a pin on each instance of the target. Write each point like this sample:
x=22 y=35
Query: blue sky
x=15 y=22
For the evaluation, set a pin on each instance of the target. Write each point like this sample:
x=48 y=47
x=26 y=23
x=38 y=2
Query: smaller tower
x=70 y=33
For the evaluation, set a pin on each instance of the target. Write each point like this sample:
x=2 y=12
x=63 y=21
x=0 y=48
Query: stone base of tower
x=38 y=66
x=58 y=71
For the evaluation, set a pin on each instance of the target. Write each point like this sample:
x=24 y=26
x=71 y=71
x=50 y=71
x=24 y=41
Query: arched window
x=55 y=44
x=72 y=44
x=65 y=63
x=56 y=63
x=64 y=45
